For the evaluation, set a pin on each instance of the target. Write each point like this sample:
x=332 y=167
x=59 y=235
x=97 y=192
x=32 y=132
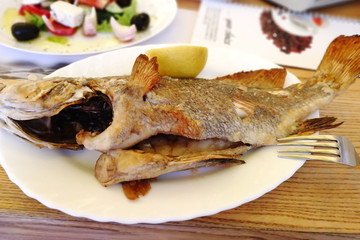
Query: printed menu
x=278 y=35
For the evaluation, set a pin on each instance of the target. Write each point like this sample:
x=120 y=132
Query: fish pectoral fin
x=243 y=107
x=310 y=126
x=263 y=78
x=144 y=74
x=127 y=165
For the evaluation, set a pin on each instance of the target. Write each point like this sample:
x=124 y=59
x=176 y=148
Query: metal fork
x=328 y=148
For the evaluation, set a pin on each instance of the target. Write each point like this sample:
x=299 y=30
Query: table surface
x=320 y=201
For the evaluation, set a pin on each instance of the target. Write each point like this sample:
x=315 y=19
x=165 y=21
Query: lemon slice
x=180 y=61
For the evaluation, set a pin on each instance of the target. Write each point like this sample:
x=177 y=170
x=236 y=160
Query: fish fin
x=144 y=74
x=134 y=189
x=127 y=165
x=243 y=107
x=272 y=78
x=310 y=126
x=340 y=65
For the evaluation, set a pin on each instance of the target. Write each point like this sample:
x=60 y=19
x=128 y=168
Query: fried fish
x=146 y=124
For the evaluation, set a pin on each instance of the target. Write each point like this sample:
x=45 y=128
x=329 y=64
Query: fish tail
x=340 y=65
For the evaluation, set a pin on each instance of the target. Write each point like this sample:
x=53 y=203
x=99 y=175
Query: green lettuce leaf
x=36 y=20
x=127 y=14
x=124 y=18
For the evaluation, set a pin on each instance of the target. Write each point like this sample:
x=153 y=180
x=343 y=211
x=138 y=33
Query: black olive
x=24 y=31
x=123 y=3
x=141 y=21
x=103 y=15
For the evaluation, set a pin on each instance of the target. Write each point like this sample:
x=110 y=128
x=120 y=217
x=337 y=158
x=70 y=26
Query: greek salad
x=64 y=18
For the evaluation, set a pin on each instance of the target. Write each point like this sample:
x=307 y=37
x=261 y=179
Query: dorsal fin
x=144 y=74
x=272 y=78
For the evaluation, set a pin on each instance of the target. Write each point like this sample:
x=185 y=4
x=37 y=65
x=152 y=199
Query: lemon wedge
x=183 y=61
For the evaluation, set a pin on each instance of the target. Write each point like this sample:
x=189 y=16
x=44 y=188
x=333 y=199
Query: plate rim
x=157 y=220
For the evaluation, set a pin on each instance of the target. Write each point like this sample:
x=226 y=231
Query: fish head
x=50 y=112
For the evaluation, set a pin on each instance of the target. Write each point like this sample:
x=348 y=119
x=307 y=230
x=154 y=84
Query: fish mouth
x=92 y=115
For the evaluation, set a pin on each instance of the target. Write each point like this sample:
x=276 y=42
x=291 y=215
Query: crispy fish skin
x=204 y=109
x=174 y=106
x=38 y=100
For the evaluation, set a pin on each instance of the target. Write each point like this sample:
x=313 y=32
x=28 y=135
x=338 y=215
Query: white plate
x=162 y=13
x=64 y=180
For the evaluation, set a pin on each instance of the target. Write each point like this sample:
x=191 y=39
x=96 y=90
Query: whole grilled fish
x=147 y=124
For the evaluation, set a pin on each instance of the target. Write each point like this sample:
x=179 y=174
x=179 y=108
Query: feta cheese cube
x=67 y=13
x=25 y=2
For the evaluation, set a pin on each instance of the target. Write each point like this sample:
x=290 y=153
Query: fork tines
x=327 y=148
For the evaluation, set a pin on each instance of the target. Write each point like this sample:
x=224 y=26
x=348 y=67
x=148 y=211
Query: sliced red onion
x=123 y=33
x=90 y=23
x=48 y=23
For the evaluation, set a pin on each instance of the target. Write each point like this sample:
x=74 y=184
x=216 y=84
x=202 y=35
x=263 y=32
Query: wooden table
x=320 y=201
